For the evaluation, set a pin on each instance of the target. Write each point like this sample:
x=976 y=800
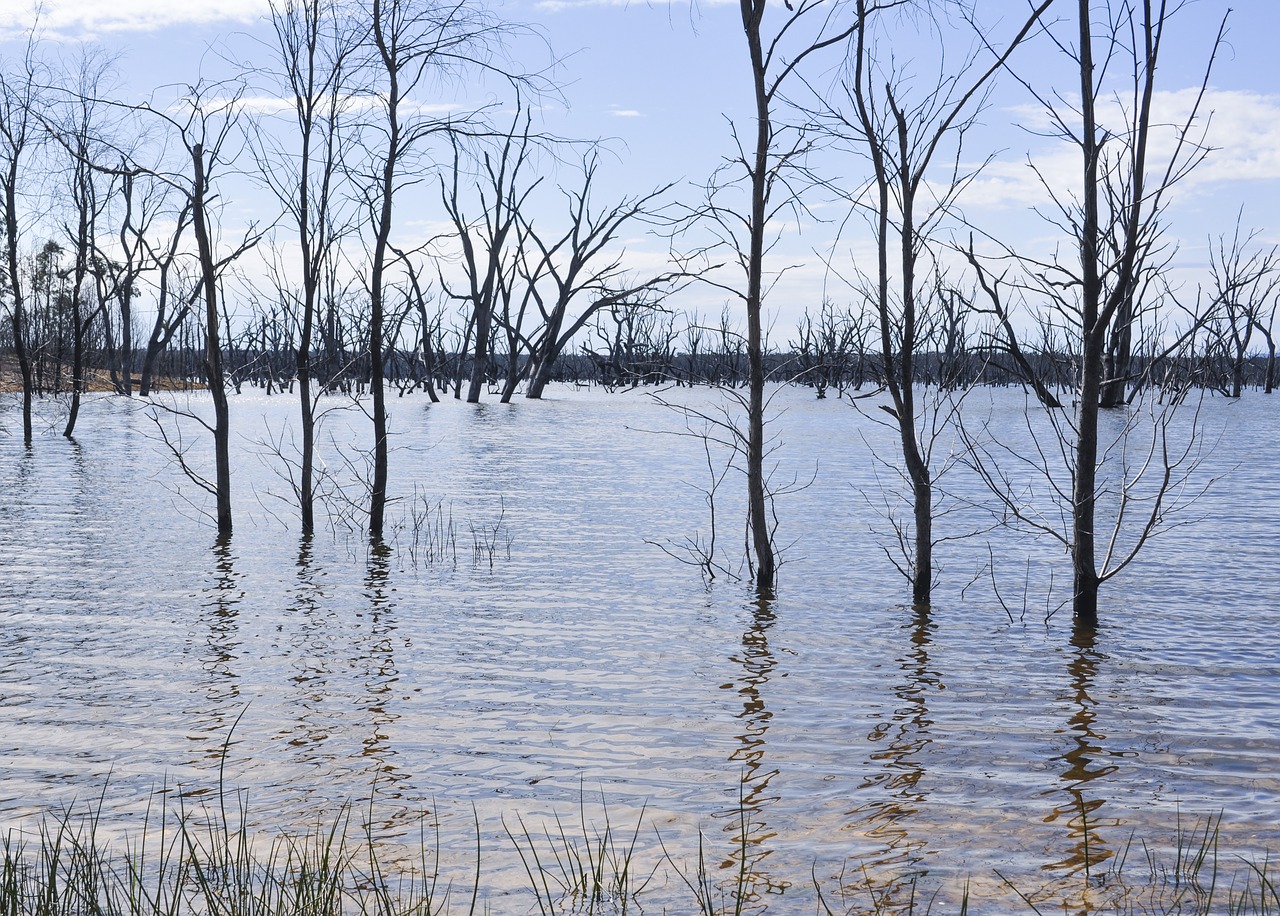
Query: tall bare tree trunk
x=79 y=324
x=765 y=561
x=213 y=345
x=382 y=237
x=17 y=312
x=1119 y=355
x=480 y=361
x=1271 y=366
x=1083 y=560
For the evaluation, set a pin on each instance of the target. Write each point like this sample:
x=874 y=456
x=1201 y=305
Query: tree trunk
x=543 y=361
x=1237 y=371
x=1119 y=356
x=15 y=291
x=512 y=381
x=126 y=342
x=378 y=489
x=1084 y=495
x=77 y=368
x=922 y=583
x=213 y=346
x=306 y=485
x=480 y=365
x=1084 y=492
x=148 y=368
x=757 y=500
x=538 y=384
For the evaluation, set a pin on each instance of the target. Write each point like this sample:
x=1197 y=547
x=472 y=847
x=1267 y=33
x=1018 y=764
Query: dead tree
x=901 y=133
x=82 y=119
x=202 y=124
x=315 y=43
x=1245 y=279
x=583 y=264
x=489 y=242
x=767 y=160
x=414 y=44
x=19 y=125
x=1111 y=215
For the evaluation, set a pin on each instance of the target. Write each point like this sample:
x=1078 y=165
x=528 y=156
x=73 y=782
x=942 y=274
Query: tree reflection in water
x=312 y=647
x=378 y=672
x=749 y=830
x=219 y=654
x=1084 y=763
x=897 y=786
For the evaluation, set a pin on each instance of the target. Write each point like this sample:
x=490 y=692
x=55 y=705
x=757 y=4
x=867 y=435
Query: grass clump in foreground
x=207 y=861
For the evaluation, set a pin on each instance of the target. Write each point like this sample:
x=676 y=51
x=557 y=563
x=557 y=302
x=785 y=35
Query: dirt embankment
x=96 y=380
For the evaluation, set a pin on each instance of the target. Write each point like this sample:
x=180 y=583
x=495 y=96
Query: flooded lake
x=525 y=647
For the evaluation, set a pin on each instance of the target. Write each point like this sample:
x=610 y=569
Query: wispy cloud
x=625 y=113
x=1245 y=134
x=349 y=105
x=89 y=18
x=559 y=6
x=1242 y=129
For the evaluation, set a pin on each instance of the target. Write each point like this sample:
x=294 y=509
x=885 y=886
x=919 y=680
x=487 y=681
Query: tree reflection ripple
x=897 y=786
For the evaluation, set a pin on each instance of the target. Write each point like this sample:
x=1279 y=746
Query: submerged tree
x=901 y=132
x=490 y=243
x=417 y=45
x=174 y=300
x=1245 y=280
x=204 y=135
x=315 y=42
x=767 y=161
x=81 y=120
x=118 y=268
x=19 y=125
x=582 y=264
x=1111 y=215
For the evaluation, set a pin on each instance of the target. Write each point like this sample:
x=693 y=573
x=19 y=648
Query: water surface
x=525 y=640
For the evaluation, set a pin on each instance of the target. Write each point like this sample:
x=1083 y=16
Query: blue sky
x=660 y=79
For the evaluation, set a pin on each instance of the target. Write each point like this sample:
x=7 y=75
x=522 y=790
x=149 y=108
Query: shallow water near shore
x=525 y=648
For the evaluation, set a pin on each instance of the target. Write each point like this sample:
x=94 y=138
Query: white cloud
x=559 y=6
x=267 y=105
x=1243 y=130
x=89 y=18
x=1245 y=134
x=351 y=104
x=625 y=113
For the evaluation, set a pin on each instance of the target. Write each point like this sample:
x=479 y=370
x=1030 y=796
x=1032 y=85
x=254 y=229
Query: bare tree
x=767 y=164
x=1245 y=278
x=202 y=123
x=119 y=272
x=428 y=348
x=490 y=243
x=902 y=136
x=82 y=119
x=19 y=125
x=827 y=347
x=204 y=135
x=1112 y=218
x=315 y=41
x=582 y=264
x=417 y=44
x=1265 y=323
x=174 y=299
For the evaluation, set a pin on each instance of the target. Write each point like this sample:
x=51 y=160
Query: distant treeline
x=262 y=357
